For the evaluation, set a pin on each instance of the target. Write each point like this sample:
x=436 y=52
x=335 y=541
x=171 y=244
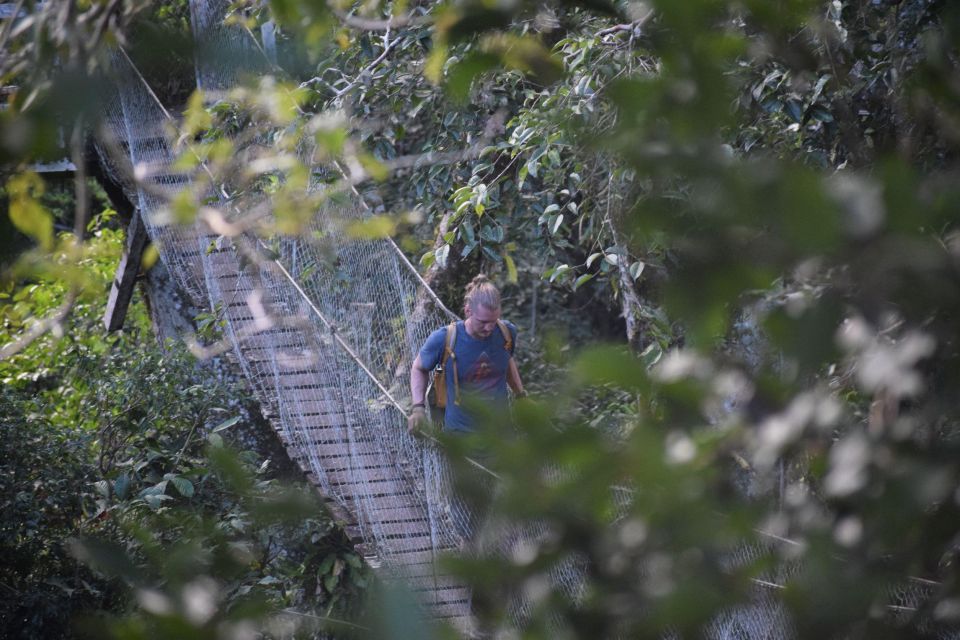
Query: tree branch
x=373 y=24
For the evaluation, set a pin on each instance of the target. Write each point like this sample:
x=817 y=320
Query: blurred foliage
x=112 y=452
x=764 y=190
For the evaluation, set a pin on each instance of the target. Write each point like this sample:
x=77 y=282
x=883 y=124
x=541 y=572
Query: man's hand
x=418 y=416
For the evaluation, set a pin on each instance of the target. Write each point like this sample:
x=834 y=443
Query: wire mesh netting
x=325 y=334
x=326 y=351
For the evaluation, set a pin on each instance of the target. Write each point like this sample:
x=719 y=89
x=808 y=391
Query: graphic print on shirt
x=482 y=374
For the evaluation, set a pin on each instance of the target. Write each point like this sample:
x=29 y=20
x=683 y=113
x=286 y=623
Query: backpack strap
x=507 y=336
x=448 y=353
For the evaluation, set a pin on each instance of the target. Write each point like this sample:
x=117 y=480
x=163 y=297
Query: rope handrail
x=283 y=269
x=340 y=341
x=393 y=245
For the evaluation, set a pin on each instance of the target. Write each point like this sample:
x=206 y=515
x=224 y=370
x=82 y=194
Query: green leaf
x=794 y=109
x=555 y=224
x=593 y=258
x=155 y=501
x=493 y=255
x=651 y=355
x=433 y=68
x=559 y=271
x=821 y=113
x=377 y=170
x=154 y=490
x=461 y=75
x=611 y=365
x=374 y=228
x=468 y=249
x=26 y=212
x=526 y=54
x=102 y=487
x=196 y=117
x=226 y=424
x=330 y=582
x=532 y=166
x=442 y=254
x=492 y=234
x=636 y=269
x=511 y=269
x=109 y=557
x=326 y=564
x=582 y=280
x=184 y=486
x=121 y=486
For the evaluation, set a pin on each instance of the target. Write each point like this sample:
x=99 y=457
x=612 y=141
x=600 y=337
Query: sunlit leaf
x=150 y=256
x=441 y=255
x=582 y=280
x=226 y=424
x=196 y=117
x=377 y=170
x=372 y=228
x=511 y=269
x=26 y=212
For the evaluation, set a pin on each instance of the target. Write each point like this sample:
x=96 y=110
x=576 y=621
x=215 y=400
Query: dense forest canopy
x=727 y=230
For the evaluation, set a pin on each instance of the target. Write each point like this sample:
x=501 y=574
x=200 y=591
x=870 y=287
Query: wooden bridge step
x=392 y=484
x=425 y=571
x=376 y=503
x=412 y=571
x=318 y=439
x=440 y=589
x=348 y=466
x=400 y=514
x=312 y=424
x=454 y=614
x=449 y=595
x=302 y=379
x=253 y=336
x=373 y=474
x=293 y=357
x=408 y=557
x=399 y=549
x=383 y=484
x=337 y=461
x=434 y=589
x=325 y=401
x=416 y=529
x=316 y=401
x=331 y=450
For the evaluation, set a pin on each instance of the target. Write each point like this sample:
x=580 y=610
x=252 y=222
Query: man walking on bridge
x=476 y=356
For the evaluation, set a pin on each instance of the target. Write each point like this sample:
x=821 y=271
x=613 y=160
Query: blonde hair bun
x=481 y=291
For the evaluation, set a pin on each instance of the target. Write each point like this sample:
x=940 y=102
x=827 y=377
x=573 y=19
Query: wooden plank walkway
x=372 y=491
x=290 y=368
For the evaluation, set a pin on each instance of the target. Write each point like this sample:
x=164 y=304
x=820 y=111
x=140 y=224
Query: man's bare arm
x=418 y=382
x=513 y=378
x=418 y=391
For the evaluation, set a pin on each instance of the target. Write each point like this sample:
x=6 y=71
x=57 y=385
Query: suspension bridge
x=328 y=359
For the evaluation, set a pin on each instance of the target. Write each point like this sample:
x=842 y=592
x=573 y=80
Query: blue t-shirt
x=481 y=365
